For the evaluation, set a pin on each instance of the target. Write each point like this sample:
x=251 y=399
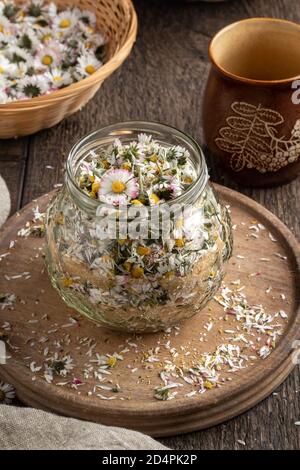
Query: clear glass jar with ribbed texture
x=142 y=271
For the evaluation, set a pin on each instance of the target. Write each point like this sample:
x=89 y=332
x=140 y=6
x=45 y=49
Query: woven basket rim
x=99 y=76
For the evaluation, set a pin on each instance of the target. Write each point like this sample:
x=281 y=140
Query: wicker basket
x=118 y=21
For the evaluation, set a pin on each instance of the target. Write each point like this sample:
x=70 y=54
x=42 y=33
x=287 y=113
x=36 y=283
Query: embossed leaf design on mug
x=250 y=121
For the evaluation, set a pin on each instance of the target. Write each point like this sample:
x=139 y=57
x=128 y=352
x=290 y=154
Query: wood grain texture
x=244 y=388
x=13 y=159
x=163 y=80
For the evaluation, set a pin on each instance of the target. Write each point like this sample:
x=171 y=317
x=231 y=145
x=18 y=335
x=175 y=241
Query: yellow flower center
x=137 y=271
x=153 y=158
x=126 y=166
x=111 y=361
x=179 y=222
x=67 y=281
x=90 y=69
x=137 y=202
x=143 y=250
x=47 y=37
x=1 y=69
x=208 y=384
x=179 y=242
x=1 y=28
x=188 y=180
x=169 y=274
x=57 y=78
x=47 y=60
x=154 y=198
x=65 y=23
x=95 y=186
x=127 y=266
x=105 y=164
x=118 y=187
x=2 y=396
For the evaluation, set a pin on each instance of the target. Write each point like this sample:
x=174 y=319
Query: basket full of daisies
x=54 y=56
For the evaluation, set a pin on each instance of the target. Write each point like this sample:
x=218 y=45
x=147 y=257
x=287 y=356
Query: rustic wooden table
x=163 y=80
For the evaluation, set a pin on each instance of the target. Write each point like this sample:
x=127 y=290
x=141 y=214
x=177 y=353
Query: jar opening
x=127 y=132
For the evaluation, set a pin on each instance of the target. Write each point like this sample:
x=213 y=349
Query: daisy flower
x=118 y=187
x=86 y=29
x=3 y=79
x=6 y=67
x=27 y=40
x=87 y=65
x=188 y=175
x=36 y=8
x=144 y=140
x=17 y=55
x=88 y=17
x=5 y=26
x=7 y=393
x=58 y=78
x=20 y=16
x=168 y=188
x=6 y=40
x=52 y=10
x=60 y=366
x=8 y=9
x=70 y=58
x=3 y=95
x=31 y=87
x=46 y=35
x=22 y=69
x=175 y=187
x=66 y=20
x=96 y=42
x=48 y=56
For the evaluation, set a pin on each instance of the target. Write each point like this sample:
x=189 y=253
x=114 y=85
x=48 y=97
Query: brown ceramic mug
x=250 y=119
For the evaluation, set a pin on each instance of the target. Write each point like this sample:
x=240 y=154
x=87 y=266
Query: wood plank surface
x=164 y=80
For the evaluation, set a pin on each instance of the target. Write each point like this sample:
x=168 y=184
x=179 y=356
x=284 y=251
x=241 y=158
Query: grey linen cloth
x=30 y=429
x=27 y=428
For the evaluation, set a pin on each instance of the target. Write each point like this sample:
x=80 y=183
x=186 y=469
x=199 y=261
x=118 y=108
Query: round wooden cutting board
x=36 y=325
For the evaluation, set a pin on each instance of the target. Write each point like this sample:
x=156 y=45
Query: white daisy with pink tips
x=118 y=187
x=48 y=56
x=58 y=78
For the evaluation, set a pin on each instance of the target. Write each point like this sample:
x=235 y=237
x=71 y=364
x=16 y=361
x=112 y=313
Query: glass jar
x=179 y=276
